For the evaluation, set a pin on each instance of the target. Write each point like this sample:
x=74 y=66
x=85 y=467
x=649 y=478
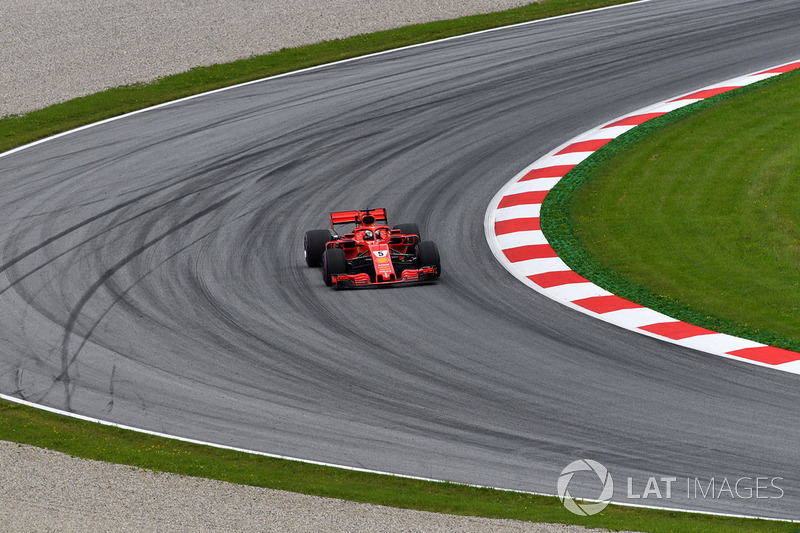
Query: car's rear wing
x=358 y=217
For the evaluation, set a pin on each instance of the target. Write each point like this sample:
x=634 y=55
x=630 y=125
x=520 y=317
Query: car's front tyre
x=427 y=255
x=334 y=263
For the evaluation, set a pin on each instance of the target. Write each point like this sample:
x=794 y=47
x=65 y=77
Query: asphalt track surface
x=153 y=272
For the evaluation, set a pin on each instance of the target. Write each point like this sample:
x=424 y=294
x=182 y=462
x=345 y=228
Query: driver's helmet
x=368 y=235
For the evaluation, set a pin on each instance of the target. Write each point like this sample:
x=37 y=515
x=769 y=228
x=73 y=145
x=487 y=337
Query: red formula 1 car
x=370 y=252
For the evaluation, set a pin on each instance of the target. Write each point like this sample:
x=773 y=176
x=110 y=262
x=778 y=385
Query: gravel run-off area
x=55 y=50
x=46 y=491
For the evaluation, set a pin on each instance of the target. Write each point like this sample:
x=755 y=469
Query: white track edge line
x=311 y=69
x=308 y=461
x=353 y=468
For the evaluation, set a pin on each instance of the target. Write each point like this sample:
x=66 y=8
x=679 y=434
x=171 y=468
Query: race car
x=369 y=252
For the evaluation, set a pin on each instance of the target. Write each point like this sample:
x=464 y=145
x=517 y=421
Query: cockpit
x=377 y=233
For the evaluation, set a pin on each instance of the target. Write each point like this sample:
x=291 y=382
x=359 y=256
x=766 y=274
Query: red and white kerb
x=514 y=233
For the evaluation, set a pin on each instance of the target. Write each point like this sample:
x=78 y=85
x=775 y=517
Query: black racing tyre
x=314 y=246
x=428 y=256
x=334 y=263
x=410 y=228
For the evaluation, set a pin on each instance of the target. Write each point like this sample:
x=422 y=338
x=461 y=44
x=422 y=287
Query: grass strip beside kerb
x=99 y=442
x=561 y=229
x=17 y=130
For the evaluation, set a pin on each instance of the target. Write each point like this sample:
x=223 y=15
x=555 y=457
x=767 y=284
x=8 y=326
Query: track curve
x=513 y=231
x=153 y=273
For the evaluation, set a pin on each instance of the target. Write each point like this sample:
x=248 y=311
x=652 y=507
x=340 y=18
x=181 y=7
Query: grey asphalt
x=154 y=275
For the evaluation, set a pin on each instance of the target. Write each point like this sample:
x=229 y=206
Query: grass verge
x=17 y=130
x=694 y=214
x=95 y=441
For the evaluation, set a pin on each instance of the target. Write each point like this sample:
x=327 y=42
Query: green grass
x=95 y=441
x=18 y=130
x=696 y=214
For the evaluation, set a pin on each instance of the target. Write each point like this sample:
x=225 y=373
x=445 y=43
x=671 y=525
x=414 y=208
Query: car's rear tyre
x=334 y=263
x=428 y=256
x=409 y=229
x=314 y=246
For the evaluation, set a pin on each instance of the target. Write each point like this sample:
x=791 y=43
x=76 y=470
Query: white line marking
x=491 y=244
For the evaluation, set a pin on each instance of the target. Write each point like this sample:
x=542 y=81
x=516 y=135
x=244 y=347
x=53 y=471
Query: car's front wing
x=413 y=275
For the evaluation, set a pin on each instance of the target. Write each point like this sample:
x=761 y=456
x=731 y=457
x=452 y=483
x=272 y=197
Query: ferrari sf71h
x=369 y=252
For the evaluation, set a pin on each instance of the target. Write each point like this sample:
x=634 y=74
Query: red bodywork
x=373 y=242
